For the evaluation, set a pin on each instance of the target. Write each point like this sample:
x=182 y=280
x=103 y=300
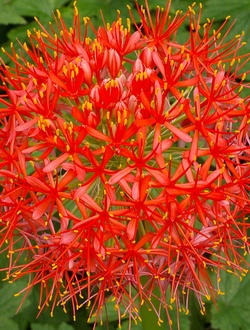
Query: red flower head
x=118 y=176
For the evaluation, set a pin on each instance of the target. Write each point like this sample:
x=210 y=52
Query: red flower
x=118 y=177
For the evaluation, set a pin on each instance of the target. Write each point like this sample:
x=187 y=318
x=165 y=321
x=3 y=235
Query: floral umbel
x=125 y=162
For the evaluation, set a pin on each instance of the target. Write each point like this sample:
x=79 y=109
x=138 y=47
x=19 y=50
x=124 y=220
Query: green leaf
x=8 y=302
x=110 y=313
x=48 y=326
x=220 y=9
x=65 y=326
x=9 y=305
x=107 y=7
x=42 y=326
x=232 y=309
x=9 y=14
x=197 y=320
x=8 y=324
x=14 y=11
x=20 y=33
x=184 y=322
x=176 y=5
x=45 y=317
x=239 y=11
x=37 y=8
x=43 y=10
x=150 y=320
x=125 y=326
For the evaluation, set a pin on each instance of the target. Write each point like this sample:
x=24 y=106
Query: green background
x=232 y=310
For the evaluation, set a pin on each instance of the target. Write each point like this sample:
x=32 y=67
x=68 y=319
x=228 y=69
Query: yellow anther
x=58 y=13
x=119 y=117
x=76 y=10
x=220 y=292
x=172 y=300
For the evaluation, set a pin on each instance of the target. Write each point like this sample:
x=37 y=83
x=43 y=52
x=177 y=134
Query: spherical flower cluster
x=125 y=162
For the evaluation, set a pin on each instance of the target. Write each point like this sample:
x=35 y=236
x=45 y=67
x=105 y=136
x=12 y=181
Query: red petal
x=182 y=135
x=27 y=125
x=41 y=209
x=144 y=186
x=132 y=42
x=55 y=163
x=159 y=176
x=88 y=200
x=98 y=135
x=67 y=178
x=57 y=81
x=194 y=147
x=36 y=183
x=135 y=191
x=81 y=191
x=132 y=229
x=120 y=175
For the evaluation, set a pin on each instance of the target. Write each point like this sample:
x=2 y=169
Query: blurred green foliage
x=232 y=310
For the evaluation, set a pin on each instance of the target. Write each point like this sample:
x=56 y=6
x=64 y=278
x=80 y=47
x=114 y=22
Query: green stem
x=149 y=317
